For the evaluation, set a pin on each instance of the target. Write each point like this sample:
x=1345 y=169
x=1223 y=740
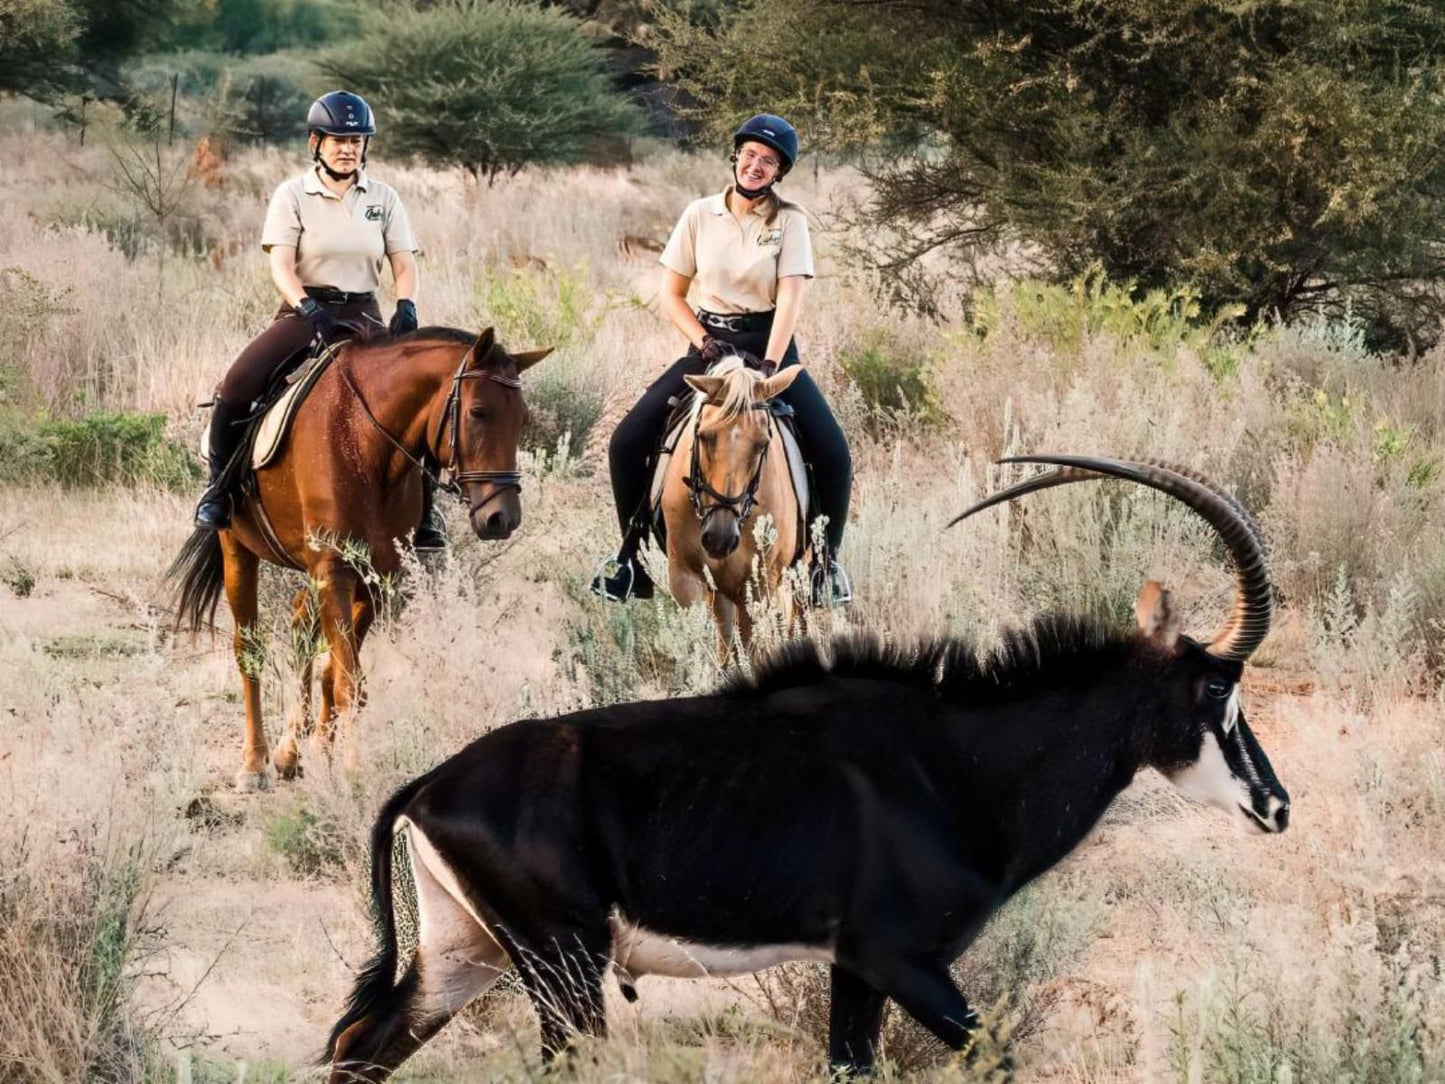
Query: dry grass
x=1166 y=948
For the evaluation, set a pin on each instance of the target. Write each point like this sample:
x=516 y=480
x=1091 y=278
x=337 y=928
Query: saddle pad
x=271 y=433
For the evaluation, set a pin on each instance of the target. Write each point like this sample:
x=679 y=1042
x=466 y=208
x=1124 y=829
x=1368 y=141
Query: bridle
x=503 y=480
x=740 y=504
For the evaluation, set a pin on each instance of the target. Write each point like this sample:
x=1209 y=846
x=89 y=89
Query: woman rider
x=326 y=233
x=748 y=252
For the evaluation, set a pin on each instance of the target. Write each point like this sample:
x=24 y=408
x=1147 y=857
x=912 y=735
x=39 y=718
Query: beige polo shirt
x=340 y=241
x=735 y=265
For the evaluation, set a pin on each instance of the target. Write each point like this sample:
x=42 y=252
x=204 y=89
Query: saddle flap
x=271 y=434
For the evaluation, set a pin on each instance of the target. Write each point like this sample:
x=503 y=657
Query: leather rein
x=503 y=480
x=740 y=504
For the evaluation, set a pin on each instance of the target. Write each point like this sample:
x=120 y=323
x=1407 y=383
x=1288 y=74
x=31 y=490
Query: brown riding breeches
x=287 y=336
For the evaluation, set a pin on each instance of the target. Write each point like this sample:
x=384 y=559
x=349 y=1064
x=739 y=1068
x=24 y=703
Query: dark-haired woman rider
x=748 y=252
x=327 y=233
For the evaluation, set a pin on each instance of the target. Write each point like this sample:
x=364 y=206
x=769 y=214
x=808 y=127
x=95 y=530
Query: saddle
x=268 y=428
x=684 y=411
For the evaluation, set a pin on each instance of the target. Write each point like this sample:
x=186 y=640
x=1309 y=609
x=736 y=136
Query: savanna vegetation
x=155 y=925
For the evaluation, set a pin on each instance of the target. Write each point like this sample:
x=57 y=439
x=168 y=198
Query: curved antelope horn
x=1248 y=621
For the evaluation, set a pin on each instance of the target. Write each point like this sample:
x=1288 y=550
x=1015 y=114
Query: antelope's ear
x=527 y=358
x=707 y=385
x=1157 y=614
x=778 y=382
x=482 y=349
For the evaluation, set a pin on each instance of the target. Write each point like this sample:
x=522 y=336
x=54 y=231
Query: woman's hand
x=322 y=319
x=404 y=318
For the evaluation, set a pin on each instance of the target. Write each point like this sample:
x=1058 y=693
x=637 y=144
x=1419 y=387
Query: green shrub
x=893 y=382
x=254 y=98
x=308 y=843
x=98 y=449
x=490 y=85
x=556 y=407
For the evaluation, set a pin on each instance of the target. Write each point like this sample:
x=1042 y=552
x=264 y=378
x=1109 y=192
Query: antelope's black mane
x=1054 y=651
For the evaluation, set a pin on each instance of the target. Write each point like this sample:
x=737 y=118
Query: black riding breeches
x=639 y=433
x=284 y=338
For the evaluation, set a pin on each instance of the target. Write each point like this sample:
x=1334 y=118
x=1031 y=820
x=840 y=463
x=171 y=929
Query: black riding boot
x=214 y=511
x=431 y=531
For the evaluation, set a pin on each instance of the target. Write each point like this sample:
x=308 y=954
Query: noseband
x=741 y=504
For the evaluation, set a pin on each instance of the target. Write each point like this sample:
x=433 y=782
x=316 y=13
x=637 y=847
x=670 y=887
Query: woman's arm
x=283 y=274
x=785 y=319
x=404 y=272
x=673 y=302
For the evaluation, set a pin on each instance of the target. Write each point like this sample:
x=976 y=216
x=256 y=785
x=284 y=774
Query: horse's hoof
x=253 y=781
x=287 y=761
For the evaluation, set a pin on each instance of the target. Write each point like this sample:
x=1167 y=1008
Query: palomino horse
x=351 y=474
x=728 y=468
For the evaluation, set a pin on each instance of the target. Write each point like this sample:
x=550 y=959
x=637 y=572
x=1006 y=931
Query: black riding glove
x=404 y=318
x=714 y=350
x=752 y=361
x=322 y=319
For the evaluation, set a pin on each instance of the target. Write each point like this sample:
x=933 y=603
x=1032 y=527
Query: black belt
x=736 y=321
x=329 y=295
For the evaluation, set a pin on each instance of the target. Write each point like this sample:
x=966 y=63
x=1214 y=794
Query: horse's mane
x=433 y=334
x=1052 y=652
x=736 y=395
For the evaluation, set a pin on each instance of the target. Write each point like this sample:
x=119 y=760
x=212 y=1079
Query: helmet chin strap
x=316 y=157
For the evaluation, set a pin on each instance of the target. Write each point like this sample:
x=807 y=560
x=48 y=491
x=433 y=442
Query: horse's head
x=730 y=444
x=488 y=419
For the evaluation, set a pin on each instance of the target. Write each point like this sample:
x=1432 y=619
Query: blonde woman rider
x=327 y=233
x=748 y=253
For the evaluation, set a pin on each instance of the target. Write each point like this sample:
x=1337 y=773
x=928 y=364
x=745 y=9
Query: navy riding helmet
x=772 y=131
x=341 y=113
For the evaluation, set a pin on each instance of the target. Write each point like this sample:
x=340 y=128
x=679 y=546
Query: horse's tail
x=200 y=569
x=376 y=991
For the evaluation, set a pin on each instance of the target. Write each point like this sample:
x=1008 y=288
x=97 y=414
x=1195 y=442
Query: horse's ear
x=482 y=350
x=527 y=358
x=779 y=382
x=707 y=385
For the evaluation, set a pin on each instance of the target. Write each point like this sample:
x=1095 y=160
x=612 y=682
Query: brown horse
x=728 y=469
x=350 y=479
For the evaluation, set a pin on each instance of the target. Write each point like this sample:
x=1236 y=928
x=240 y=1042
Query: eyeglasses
x=749 y=156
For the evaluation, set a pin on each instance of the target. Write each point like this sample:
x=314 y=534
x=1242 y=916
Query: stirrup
x=831 y=586
x=624 y=583
x=429 y=536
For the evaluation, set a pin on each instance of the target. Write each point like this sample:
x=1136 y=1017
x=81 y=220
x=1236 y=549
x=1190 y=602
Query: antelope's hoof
x=253 y=781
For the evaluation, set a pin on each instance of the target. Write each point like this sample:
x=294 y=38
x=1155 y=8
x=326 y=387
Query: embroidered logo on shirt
x=773 y=236
x=373 y=212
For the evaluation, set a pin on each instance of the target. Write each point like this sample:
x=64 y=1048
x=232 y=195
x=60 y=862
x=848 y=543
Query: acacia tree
x=1285 y=155
x=491 y=85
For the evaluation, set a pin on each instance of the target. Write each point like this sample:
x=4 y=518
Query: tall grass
x=1102 y=972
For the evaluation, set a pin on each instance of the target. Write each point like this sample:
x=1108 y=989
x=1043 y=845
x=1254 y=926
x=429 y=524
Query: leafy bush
x=1278 y=159
x=490 y=85
x=97 y=449
x=256 y=98
x=308 y=843
x=893 y=382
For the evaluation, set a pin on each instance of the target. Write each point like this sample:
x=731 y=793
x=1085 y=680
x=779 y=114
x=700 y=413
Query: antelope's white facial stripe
x=1209 y=780
x=1231 y=711
x=640 y=951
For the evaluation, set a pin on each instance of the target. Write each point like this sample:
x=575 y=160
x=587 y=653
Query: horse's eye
x=478 y=412
x=1217 y=690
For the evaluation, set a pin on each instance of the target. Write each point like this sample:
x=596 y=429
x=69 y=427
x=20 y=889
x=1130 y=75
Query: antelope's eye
x=1217 y=690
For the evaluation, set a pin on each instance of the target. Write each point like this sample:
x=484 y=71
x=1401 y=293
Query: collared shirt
x=340 y=241
x=735 y=265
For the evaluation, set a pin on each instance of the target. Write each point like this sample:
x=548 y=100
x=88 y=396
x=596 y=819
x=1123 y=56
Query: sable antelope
x=351 y=471
x=729 y=468
x=870 y=808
